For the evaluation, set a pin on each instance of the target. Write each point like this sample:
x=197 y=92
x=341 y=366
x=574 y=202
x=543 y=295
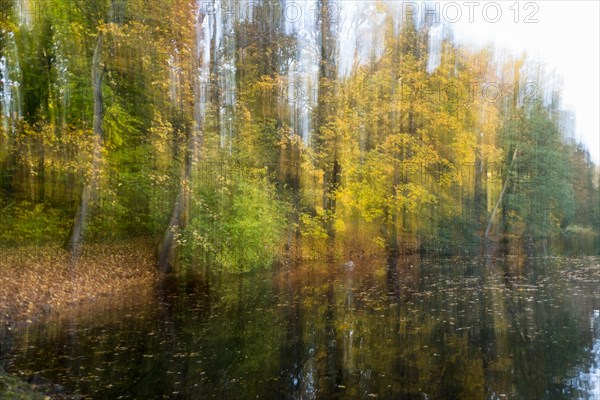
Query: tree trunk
x=41 y=171
x=504 y=187
x=180 y=213
x=325 y=109
x=90 y=186
x=478 y=205
x=165 y=255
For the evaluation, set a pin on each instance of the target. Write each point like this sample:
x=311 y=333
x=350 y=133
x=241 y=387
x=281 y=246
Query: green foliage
x=312 y=226
x=26 y=223
x=453 y=235
x=236 y=221
x=391 y=152
x=118 y=124
x=586 y=189
x=541 y=200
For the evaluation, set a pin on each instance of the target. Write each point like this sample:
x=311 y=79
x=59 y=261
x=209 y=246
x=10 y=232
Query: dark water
x=435 y=329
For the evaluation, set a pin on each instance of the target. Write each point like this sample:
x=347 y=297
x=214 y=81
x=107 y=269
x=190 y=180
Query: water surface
x=425 y=329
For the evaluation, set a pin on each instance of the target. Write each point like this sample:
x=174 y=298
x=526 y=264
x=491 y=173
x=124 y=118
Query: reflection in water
x=594 y=374
x=401 y=328
x=588 y=381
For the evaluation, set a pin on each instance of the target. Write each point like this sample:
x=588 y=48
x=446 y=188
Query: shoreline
x=40 y=284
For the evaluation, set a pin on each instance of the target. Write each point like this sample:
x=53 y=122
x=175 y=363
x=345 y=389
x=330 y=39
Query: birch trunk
x=91 y=185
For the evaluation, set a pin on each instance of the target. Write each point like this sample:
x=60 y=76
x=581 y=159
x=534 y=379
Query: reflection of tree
x=292 y=345
x=463 y=333
x=453 y=329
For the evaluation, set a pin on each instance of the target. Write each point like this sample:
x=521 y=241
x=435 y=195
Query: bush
x=27 y=223
x=236 y=225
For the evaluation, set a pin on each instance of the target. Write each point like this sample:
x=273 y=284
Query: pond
x=479 y=328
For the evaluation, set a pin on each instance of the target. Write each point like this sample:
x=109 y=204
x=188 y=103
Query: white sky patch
x=566 y=38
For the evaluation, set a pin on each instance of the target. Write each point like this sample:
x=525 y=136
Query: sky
x=566 y=37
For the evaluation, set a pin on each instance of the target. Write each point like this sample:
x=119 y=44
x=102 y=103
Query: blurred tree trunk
x=90 y=186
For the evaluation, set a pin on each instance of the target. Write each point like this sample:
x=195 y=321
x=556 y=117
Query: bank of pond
x=409 y=326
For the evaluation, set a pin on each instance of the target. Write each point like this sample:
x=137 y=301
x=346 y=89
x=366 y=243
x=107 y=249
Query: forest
x=231 y=131
x=287 y=199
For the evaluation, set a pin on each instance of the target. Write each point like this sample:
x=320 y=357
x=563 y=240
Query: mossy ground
x=14 y=388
